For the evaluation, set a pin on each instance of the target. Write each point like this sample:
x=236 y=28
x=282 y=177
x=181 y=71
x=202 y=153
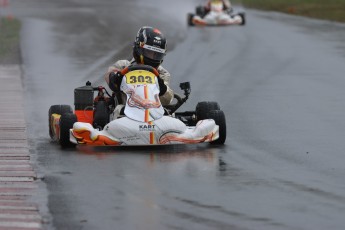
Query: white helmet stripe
x=156 y=49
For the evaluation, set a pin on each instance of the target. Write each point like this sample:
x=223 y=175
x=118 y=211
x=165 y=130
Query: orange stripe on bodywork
x=146 y=91
x=172 y=138
x=152 y=135
x=152 y=138
x=147 y=111
x=147 y=115
x=83 y=137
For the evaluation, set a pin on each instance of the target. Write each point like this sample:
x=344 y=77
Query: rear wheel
x=200 y=11
x=203 y=108
x=219 y=117
x=66 y=123
x=58 y=109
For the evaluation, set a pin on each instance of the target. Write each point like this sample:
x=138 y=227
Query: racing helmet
x=149 y=46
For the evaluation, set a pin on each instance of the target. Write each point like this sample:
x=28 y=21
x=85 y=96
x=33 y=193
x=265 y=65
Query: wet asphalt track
x=279 y=79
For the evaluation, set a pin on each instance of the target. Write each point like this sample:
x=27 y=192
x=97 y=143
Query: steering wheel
x=140 y=67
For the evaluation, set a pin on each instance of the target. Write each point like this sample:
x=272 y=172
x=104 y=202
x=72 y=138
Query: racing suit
x=165 y=99
x=226 y=5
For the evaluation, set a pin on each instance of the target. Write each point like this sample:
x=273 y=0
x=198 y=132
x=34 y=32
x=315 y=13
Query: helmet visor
x=153 y=53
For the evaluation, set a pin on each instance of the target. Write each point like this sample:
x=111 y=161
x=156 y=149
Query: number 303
x=140 y=79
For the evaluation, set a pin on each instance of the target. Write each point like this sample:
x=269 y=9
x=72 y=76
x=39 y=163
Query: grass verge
x=9 y=41
x=322 y=9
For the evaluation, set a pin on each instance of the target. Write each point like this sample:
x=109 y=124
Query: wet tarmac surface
x=279 y=80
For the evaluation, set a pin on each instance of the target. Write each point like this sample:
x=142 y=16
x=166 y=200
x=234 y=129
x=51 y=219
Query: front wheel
x=57 y=109
x=219 y=117
x=66 y=123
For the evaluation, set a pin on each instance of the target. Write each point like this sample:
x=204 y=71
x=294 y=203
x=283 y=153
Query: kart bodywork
x=143 y=121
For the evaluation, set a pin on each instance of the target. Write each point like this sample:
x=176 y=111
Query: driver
x=226 y=5
x=149 y=48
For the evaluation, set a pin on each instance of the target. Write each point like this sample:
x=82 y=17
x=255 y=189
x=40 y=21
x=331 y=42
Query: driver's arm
x=208 y=6
x=168 y=96
x=117 y=66
x=227 y=4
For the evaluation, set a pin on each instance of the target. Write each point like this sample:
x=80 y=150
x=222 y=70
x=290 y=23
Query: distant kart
x=216 y=16
x=143 y=122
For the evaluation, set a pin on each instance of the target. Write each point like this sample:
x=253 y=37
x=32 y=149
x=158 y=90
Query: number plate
x=140 y=77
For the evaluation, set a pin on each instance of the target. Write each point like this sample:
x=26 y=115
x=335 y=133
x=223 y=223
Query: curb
x=17 y=177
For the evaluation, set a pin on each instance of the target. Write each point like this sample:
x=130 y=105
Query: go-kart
x=142 y=121
x=215 y=16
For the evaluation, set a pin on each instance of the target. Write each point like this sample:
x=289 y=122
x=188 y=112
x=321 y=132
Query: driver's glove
x=115 y=79
x=162 y=87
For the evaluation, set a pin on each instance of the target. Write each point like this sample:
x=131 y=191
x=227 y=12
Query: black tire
x=190 y=19
x=204 y=107
x=58 y=109
x=200 y=11
x=243 y=16
x=66 y=123
x=101 y=115
x=219 y=117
